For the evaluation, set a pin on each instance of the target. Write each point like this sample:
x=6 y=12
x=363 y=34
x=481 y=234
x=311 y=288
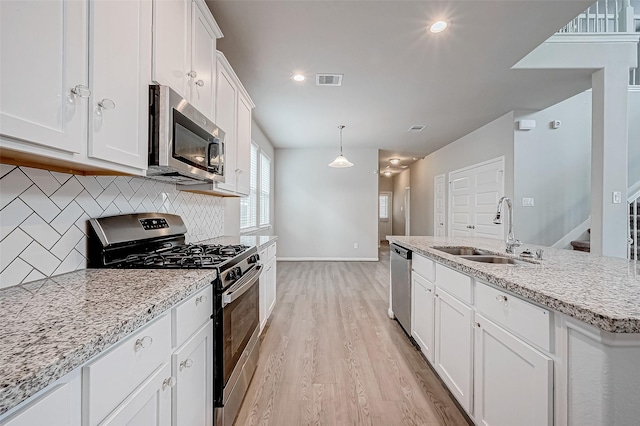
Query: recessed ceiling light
x=438 y=26
x=394 y=161
x=299 y=77
x=387 y=173
x=414 y=158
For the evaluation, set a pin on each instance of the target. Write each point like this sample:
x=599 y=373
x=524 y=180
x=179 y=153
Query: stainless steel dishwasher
x=401 y=286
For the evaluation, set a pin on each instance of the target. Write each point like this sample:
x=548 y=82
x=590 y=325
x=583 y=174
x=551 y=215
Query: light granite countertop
x=52 y=326
x=601 y=291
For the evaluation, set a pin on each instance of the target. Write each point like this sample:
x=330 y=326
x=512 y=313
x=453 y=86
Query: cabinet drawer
x=454 y=282
x=423 y=266
x=529 y=321
x=114 y=375
x=191 y=315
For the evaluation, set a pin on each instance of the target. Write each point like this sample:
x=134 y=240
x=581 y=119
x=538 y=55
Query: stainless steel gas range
x=157 y=240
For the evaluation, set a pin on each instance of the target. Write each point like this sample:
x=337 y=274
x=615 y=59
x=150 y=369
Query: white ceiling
x=396 y=74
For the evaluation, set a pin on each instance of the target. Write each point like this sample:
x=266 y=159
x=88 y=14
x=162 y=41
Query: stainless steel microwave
x=184 y=146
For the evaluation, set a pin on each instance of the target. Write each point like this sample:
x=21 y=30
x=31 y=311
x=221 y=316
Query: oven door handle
x=239 y=288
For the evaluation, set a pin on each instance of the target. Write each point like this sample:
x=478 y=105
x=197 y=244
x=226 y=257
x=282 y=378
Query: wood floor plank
x=331 y=356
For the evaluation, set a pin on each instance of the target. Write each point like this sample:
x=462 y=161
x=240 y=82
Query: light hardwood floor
x=330 y=355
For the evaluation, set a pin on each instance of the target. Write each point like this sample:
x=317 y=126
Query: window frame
x=256 y=226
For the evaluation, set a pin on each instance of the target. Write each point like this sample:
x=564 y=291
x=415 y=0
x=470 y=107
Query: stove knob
x=231 y=275
x=238 y=271
x=254 y=258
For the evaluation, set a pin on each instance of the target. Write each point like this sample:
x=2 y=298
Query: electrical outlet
x=355 y=245
x=527 y=202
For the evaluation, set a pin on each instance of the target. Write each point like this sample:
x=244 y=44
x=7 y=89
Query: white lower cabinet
x=192 y=365
x=423 y=314
x=59 y=405
x=454 y=346
x=513 y=381
x=267 y=284
x=149 y=404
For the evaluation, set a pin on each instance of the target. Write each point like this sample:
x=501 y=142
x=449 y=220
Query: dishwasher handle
x=400 y=251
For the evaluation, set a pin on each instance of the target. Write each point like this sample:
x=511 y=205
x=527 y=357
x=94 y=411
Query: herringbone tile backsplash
x=43 y=216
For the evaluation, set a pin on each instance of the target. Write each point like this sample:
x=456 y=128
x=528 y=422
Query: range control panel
x=156 y=223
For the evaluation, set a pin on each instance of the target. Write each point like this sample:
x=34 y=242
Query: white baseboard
x=565 y=242
x=327 y=259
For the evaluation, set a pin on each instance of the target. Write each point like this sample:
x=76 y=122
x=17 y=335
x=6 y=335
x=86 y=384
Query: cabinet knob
x=502 y=299
x=81 y=91
x=187 y=363
x=201 y=299
x=192 y=74
x=144 y=342
x=106 y=104
x=169 y=382
x=200 y=83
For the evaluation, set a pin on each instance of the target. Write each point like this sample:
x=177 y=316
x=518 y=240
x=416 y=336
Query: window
x=383 y=207
x=265 y=188
x=249 y=205
x=254 y=209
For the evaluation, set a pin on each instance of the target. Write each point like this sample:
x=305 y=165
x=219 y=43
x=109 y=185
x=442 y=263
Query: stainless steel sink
x=462 y=251
x=495 y=259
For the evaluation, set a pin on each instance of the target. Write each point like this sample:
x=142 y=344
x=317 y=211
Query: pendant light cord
x=341 y=127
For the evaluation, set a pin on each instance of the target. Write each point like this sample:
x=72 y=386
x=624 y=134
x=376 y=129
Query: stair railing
x=632 y=247
x=607 y=16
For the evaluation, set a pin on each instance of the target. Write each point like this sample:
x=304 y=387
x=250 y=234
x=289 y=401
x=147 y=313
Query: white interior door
x=385 y=219
x=473 y=199
x=438 y=206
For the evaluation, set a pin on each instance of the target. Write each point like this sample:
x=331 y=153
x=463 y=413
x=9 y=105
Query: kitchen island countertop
x=601 y=291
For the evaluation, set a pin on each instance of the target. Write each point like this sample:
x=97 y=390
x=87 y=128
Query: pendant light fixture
x=340 y=160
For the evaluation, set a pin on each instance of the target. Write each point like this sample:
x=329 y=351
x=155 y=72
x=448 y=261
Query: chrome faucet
x=511 y=240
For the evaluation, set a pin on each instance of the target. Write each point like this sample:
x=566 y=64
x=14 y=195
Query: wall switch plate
x=527 y=202
x=355 y=245
x=617 y=197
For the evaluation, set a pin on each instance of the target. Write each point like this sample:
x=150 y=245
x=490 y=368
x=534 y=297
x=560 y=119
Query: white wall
x=400 y=184
x=553 y=166
x=321 y=211
x=493 y=140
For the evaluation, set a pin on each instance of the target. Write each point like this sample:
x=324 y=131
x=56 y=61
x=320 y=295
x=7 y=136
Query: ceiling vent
x=329 y=79
x=416 y=128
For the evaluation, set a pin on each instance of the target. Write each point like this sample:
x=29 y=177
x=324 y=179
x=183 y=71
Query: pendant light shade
x=341 y=160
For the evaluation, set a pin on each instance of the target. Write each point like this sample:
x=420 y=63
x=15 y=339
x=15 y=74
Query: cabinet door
x=243 y=150
x=226 y=107
x=513 y=381
x=271 y=286
x=193 y=369
x=43 y=57
x=203 y=61
x=453 y=346
x=149 y=404
x=120 y=78
x=423 y=314
x=264 y=315
x=60 y=405
x=171 y=42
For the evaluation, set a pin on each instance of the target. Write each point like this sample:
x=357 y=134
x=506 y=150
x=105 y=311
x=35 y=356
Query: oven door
x=239 y=321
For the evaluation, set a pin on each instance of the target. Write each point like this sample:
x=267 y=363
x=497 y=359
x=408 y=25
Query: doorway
x=407 y=211
x=385 y=215
x=438 y=206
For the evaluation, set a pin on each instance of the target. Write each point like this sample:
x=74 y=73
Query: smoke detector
x=417 y=128
x=329 y=79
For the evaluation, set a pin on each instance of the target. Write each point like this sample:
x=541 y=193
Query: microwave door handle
x=220 y=156
x=212 y=142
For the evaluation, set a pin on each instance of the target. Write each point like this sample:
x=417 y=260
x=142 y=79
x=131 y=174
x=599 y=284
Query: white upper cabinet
x=243 y=146
x=171 y=41
x=43 y=72
x=226 y=107
x=184 y=51
x=120 y=70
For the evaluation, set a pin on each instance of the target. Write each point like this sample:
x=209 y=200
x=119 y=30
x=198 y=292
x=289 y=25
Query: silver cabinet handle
x=502 y=299
x=469 y=226
x=187 y=363
x=81 y=91
x=201 y=299
x=192 y=74
x=144 y=342
x=199 y=83
x=169 y=382
x=106 y=104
